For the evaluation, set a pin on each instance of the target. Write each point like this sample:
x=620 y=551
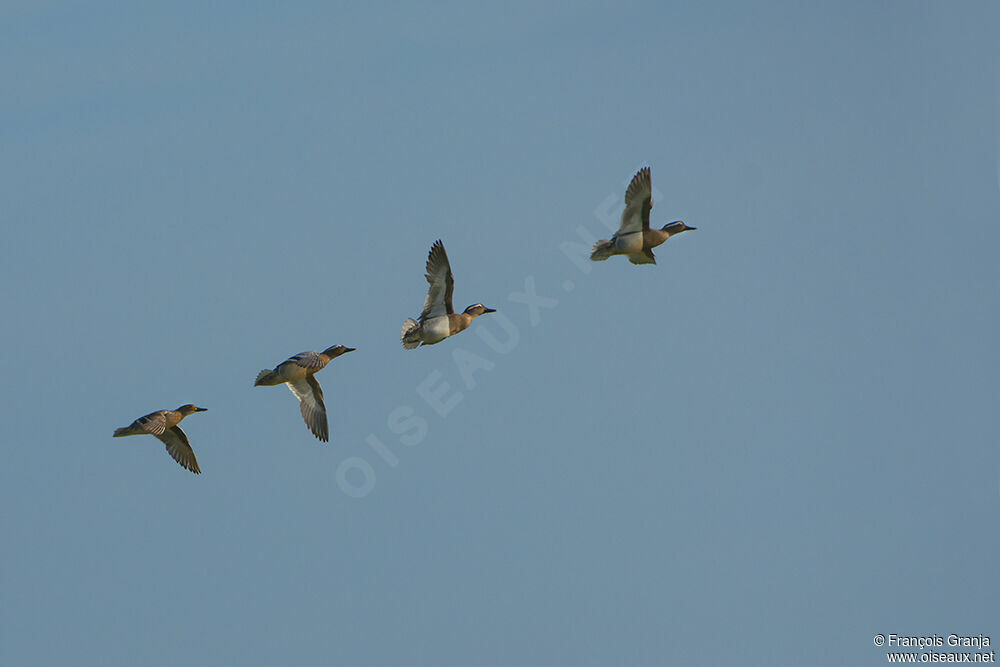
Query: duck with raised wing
x=439 y=319
x=298 y=373
x=164 y=425
x=634 y=238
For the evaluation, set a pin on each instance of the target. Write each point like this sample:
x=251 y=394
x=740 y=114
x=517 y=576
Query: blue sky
x=776 y=443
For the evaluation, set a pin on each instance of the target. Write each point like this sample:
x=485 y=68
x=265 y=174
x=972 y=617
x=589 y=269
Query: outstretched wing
x=638 y=203
x=442 y=284
x=311 y=405
x=179 y=448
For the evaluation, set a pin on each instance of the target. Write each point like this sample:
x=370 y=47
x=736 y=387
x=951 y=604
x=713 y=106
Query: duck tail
x=410 y=335
x=602 y=250
x=122 y=432
x=267 y=377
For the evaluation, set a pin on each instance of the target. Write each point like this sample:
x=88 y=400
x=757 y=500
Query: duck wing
x=442 y=284
x=155 y=423
x=638 y=203
x=311 y=360
x=179 y=448
x=311 y=405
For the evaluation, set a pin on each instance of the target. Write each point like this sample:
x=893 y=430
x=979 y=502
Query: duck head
x=676 y=227
x=477 y=309
x=337 y=350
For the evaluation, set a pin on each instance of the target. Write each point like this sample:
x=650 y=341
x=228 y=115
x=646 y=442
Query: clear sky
x=776 y=443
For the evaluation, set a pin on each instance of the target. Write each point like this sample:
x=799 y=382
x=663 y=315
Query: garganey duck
x=439 y=319
x=164 y=425
x=298 y=373
x=634 y=238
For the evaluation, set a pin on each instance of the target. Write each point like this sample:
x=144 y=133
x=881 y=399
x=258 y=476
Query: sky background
x=776 y=443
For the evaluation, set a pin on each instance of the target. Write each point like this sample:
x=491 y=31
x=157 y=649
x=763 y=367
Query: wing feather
x=311 y=405
x=441 y=281
x=638 y=203
x=155 y=423
x=311 y=360
x=180 y=449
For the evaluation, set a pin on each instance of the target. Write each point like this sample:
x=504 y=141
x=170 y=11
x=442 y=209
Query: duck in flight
x=634 y=238
x=439 y=319
x=298 y=373
x=164 y=425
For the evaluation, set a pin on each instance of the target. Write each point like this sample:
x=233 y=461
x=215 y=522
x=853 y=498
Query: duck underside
x=645 y=257
x=625 y=244
x=431 y=332
x=435 y=330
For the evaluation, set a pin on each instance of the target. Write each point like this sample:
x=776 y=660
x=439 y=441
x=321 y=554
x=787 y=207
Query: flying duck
x=163 y=424
x=298 y=373
x=439 y=319
x=634 y=238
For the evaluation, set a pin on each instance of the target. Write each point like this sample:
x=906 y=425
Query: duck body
x=634 y=238
x=429 y=332
x=295 y=369
x=163 y=424
x=298 y=373
x=439 y=319
x=628 y=243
